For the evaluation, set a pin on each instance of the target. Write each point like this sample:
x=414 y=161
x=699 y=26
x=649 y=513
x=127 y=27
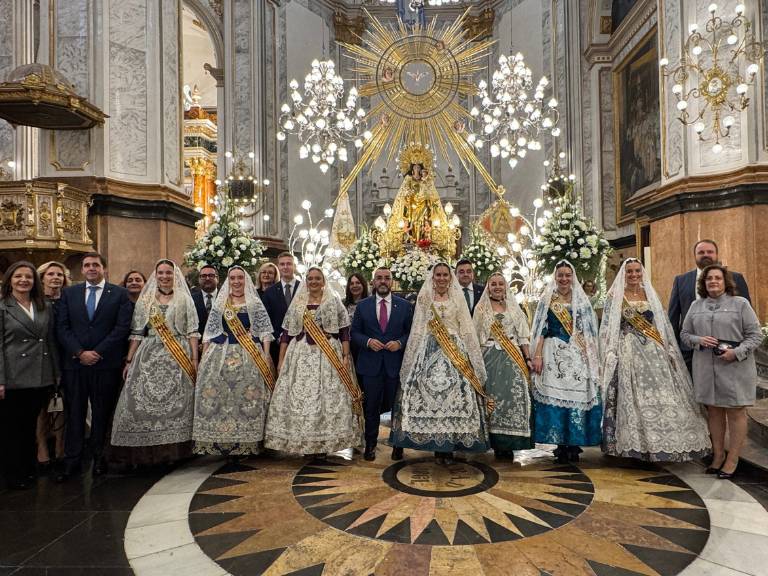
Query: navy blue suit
x=683 y=295
x=274 y=302
x=380 y=371
x=198 y=297
x=107 y=334
x=477 y=292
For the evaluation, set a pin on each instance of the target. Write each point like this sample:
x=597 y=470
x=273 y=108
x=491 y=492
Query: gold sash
x=459 y=360
x=561 y=312
x=640 y=323
x=320 y=338
x=245 y=340
x=157 y=321
x=497 y=331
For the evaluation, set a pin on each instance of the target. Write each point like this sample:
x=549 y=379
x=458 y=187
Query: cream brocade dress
x=650 y=413
x=155 y=405
x=311 y=410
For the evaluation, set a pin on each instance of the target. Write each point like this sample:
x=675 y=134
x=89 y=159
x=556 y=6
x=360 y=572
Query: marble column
x=248 y=125
x=18 y=145
x=125 y=57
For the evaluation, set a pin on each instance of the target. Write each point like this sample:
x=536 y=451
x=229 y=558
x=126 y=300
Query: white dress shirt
x=99 y=292
x=388 y=300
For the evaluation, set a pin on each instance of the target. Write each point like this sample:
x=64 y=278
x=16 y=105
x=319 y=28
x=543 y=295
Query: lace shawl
x=515 y=323
x=181 y=314
x=584 y=338
x=331 y=315
x=610 y=328
x=261 y=327
x=419 y=329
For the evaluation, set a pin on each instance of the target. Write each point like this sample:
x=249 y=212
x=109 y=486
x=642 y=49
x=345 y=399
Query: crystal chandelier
x=711 y=73
x=512 y=111
x=416 y=5
x=321 y=124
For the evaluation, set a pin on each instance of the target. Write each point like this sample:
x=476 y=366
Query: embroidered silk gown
x=231 y=398
x=650 y=413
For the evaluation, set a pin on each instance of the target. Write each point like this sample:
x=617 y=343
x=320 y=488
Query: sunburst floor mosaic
x=476 y=517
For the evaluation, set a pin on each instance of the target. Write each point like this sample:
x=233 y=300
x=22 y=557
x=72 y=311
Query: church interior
x=350 y=133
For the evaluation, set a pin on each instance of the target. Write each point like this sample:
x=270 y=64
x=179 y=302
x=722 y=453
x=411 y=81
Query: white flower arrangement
x=363 y=257
x=224 y=245
x=411 y=268
x=483 y=256
x=567 y=235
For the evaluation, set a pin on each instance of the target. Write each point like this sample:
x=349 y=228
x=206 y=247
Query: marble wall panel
x=271 y=106
x=128 y=76
x=243 y=71
x=6 y=65
x=585 y=139
x=673 y=133
x=171 y=111
x=72 y=149
x=732 y=145
x=607 y=160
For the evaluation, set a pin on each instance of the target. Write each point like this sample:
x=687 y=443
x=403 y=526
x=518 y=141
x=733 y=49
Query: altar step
x=756 y=446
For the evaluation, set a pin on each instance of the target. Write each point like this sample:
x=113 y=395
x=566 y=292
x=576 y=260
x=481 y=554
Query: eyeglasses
x=207 y=275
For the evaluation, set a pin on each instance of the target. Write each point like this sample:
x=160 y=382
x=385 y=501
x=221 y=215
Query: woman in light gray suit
x=723 y=332
x=28 y=368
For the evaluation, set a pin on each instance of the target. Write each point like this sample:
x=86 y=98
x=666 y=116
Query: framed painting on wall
x=637 y=125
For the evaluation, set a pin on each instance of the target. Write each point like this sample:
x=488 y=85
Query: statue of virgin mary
x=418 y=218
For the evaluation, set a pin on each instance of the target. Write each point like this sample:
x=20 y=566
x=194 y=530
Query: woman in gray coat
x=28 y=368
x=723 y=331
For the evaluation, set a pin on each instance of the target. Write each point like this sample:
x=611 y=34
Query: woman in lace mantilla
x=311 y=411
x=567 y=405
x=231 y=396
x=155 y=405
x=510 y=424
x=650 y=412
x=437 y=408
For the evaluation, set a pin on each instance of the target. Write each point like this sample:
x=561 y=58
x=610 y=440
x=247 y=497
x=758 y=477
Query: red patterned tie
x=383 y=320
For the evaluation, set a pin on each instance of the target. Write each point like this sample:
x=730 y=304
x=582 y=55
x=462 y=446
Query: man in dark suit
x=465 y=273
x=205 y=295
x=278 y=297
x=684 y=291
x=93 y=324
x=380 y=330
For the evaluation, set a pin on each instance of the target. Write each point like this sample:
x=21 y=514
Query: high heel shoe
x=726 y=475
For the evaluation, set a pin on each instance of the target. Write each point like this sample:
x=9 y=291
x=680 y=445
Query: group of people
x=289 y=365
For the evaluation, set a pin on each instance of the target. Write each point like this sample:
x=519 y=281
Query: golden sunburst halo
x=420 y=75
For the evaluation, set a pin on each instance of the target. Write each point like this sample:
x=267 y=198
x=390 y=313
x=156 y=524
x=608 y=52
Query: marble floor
x=345 y=517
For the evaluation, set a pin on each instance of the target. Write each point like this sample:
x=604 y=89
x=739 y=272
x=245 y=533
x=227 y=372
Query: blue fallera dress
x=553 y=422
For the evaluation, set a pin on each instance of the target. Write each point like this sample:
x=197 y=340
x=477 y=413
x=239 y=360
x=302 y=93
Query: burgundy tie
x=383 y=316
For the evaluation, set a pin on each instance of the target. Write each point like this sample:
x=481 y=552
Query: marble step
x=756 y=447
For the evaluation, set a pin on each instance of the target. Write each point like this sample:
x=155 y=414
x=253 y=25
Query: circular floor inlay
x=479 y=517
x=425 y=477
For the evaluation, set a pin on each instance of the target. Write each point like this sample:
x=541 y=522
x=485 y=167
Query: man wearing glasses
x=205 y=295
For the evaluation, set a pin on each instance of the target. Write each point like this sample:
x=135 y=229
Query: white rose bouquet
x=224 y=246
x=568 y=234
x=363 y=257
x=484 y=258
x=411 y=269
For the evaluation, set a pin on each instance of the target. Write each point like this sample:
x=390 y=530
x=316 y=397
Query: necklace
x=635 y=291
x=496 y=299
x=163 y=292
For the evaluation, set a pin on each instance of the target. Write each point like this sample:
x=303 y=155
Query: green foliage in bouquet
x=411 y=268
x=569 y=235
x=363 y=257
x=485 y=260
x=225 y=245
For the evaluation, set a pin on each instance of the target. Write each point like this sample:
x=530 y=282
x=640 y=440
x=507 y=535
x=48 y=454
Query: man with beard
x=684 y=291
x=205 y=295
x=380 y=330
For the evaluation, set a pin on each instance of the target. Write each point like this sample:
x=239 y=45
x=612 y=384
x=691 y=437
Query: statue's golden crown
x=415 y=154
